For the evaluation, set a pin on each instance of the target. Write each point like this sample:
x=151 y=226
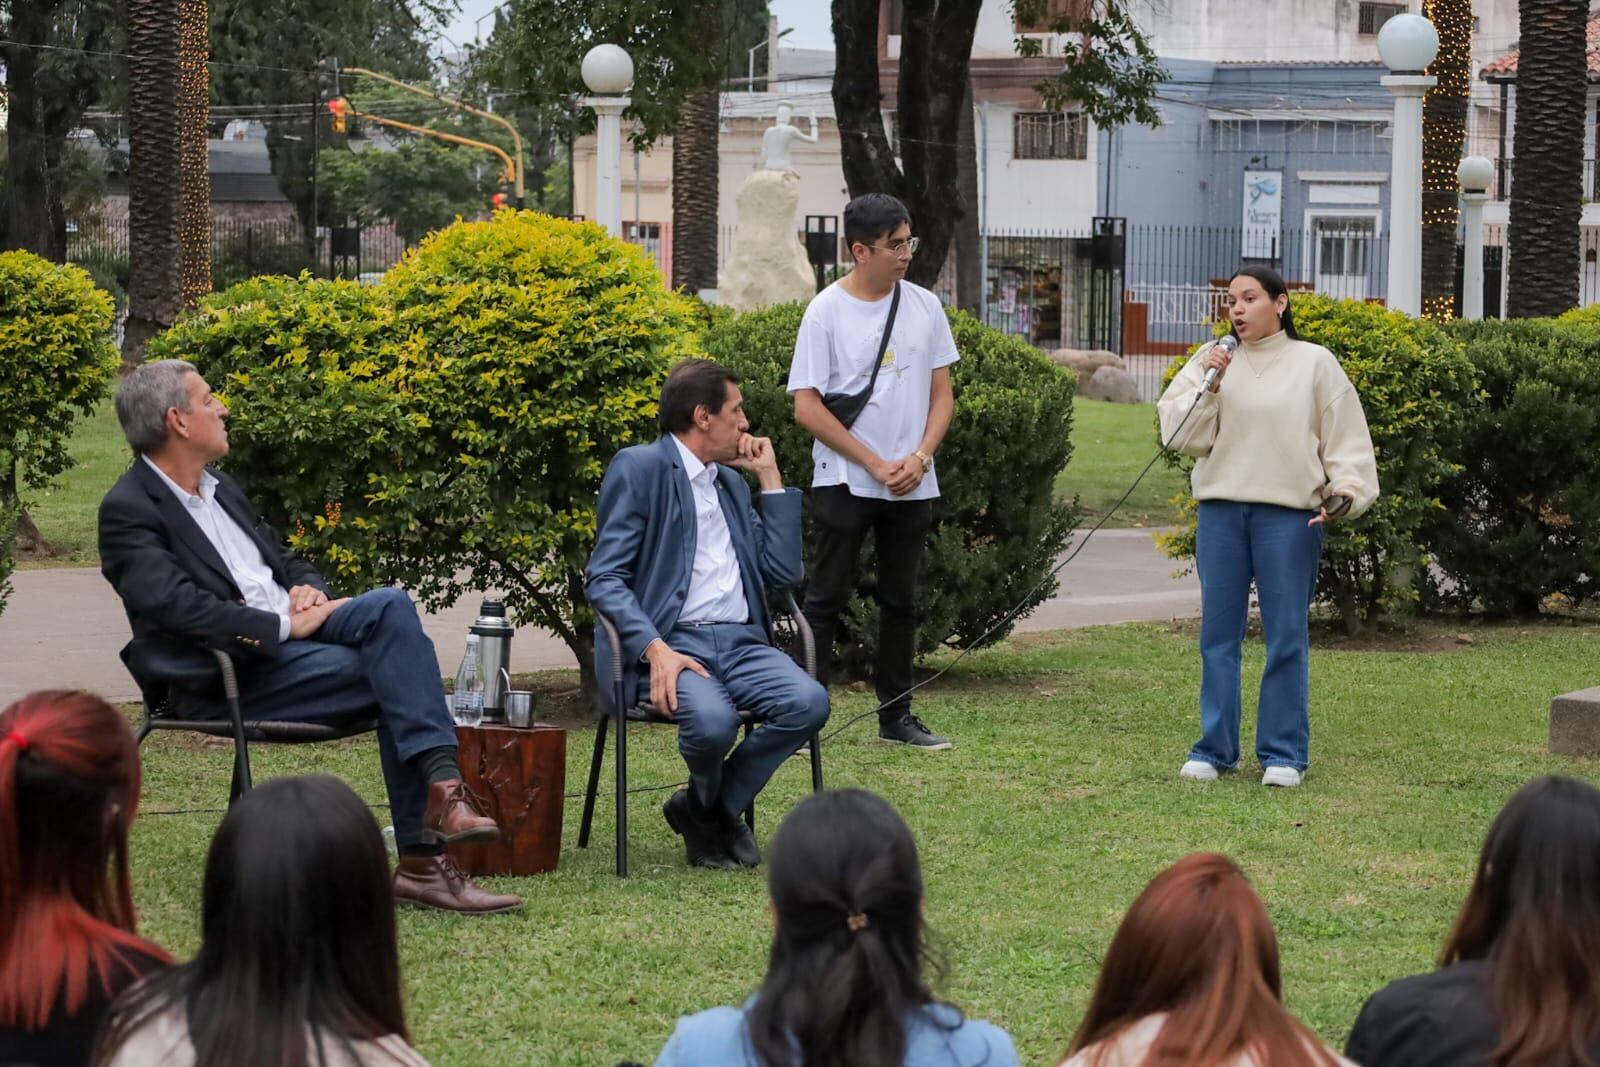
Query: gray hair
x=144 y=398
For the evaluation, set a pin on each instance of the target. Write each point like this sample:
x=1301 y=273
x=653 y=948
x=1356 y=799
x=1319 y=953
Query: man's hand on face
x=757 y=456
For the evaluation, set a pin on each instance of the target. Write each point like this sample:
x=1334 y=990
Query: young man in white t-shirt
x=877 y=475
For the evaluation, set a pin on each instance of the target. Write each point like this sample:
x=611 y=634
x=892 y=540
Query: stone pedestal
x=769 y=266
x=521 y=776
x=1575 y=724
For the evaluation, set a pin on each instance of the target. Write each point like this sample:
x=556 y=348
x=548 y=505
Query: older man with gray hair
x=197 y=569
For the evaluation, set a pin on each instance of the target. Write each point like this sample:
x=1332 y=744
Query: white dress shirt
x=716 y=589
x=238 y=550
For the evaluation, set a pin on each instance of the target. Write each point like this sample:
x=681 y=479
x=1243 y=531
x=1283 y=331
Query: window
x=1050 y=135
x=1054 y=11
x=1372 y=16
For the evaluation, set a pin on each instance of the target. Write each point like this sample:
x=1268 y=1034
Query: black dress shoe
x=702 y=837
x=738 y=840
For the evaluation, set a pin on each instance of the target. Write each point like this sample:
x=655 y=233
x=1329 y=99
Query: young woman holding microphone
x=1280 y=450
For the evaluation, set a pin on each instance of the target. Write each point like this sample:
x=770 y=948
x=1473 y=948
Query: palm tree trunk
x=695 y=164
x=155 y=157
x=194 y=107
x=1547 y=195
x=1444 y=129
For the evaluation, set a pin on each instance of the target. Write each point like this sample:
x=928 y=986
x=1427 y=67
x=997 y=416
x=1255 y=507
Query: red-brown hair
x=69 y=783
x=1197 y=945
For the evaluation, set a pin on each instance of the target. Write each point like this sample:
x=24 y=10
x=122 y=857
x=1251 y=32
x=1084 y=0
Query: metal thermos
x=494 y=657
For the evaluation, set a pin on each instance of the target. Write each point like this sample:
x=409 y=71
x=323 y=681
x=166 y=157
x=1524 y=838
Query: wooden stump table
x=521 y=775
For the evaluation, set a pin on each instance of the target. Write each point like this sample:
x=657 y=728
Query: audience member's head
x=1197 y=947
x=848 y=946
x=297 y=935
x=165 y=406
x=69 y=784
x=1533 y=916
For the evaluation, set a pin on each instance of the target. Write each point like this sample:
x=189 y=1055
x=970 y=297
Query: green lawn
x=1111 y=443
x=1059 y=802
x=65 y=512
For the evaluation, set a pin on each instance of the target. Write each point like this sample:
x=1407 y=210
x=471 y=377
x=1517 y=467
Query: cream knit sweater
x=1285 y=427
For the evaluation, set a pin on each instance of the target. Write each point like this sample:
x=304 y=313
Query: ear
x=175 y=427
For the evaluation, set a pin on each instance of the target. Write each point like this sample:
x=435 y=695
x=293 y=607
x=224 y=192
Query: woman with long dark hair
x=1192 y=978
x=298 y=965
x=69 y=786
x=845 y=984
x=1281 y=451
x=1519 y=977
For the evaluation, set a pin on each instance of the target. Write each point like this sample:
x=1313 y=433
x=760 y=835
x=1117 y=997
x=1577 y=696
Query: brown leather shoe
x=453 y=814
x=436 y=882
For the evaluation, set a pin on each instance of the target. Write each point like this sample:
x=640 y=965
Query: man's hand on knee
x=665 y=666
x=302 y=624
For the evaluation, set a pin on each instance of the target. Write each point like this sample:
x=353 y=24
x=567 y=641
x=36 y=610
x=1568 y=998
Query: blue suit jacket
x=644 y=547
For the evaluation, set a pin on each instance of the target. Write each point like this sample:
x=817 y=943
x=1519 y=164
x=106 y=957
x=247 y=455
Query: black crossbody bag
x=846 y=407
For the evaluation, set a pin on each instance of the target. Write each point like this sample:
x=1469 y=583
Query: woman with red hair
x=69 y=784
x=1192 y=978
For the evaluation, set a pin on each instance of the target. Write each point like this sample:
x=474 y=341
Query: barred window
x=1050 y=135
x=1371 y=17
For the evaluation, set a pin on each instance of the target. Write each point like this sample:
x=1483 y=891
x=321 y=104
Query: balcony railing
x=1502 y=179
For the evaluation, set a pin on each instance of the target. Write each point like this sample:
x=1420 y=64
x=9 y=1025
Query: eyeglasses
x=904 y=248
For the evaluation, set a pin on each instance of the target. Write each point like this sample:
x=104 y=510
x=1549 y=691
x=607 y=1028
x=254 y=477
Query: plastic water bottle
x=468 y=703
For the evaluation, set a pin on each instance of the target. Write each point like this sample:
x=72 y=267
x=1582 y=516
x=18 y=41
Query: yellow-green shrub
x=56 y=359
x=448 y=428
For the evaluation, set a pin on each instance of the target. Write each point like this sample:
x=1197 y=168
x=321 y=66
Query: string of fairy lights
x=1444 y=127
x=194 y=185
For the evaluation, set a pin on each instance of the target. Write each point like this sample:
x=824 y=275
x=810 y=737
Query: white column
x=608 y=160
x=1472 y=265
x=1405 y=192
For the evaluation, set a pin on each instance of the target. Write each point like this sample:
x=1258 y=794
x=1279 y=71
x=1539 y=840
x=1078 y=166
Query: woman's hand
x=1322 y=517
x=1219 y=358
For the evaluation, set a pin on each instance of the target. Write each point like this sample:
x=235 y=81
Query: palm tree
x=1547 y=192
x=194 y=108
x=154 y=157
x=1444 y=127
x=695 y=164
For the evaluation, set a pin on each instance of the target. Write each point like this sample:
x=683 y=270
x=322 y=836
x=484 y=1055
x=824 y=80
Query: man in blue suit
x=680 y=566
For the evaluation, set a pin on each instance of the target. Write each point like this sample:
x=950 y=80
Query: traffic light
x=339 y=107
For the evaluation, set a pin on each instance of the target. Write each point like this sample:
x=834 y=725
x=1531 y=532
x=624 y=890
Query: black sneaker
x=909 y=730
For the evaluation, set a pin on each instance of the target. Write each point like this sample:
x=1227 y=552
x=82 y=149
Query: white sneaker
x=1198 y=771
x=1287 y=777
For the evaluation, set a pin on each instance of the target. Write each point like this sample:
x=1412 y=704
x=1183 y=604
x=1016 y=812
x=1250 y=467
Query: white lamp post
x=608 y=72
x=1406 y=44
x=1475 y=175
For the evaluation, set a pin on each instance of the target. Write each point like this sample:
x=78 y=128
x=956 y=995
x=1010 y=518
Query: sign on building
x=1263 y=214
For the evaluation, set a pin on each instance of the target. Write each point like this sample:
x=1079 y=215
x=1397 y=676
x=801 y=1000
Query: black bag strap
x=883 y=345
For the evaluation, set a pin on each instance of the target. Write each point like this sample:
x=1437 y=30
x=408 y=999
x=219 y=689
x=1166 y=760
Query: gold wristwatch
x=927 y=460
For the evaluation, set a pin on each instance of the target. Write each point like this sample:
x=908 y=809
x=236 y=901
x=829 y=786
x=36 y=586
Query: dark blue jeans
x=371 y=654
x=1235 y=543
x=746 y=672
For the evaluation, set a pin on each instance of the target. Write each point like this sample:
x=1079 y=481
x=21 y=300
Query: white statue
x=776 y=141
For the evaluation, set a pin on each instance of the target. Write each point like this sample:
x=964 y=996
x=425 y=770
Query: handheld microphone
x=1227 y=344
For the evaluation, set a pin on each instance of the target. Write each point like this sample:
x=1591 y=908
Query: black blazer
x=178 y=594
x=1438 y=1019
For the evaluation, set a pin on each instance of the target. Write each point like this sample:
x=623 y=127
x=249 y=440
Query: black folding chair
x=160 y=714
x=790 y=622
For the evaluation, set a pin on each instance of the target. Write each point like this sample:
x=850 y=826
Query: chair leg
x=816 y=762
x=622 y=790
x=144 y=728
x=594 y=780
x=242 y=783
x=750 y=812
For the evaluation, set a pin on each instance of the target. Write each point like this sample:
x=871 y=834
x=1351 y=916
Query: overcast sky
x=809 y=18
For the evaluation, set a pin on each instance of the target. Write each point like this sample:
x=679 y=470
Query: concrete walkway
x=65 y=627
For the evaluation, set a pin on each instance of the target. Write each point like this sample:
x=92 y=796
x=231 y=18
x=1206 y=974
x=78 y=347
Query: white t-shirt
x=834 y=353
